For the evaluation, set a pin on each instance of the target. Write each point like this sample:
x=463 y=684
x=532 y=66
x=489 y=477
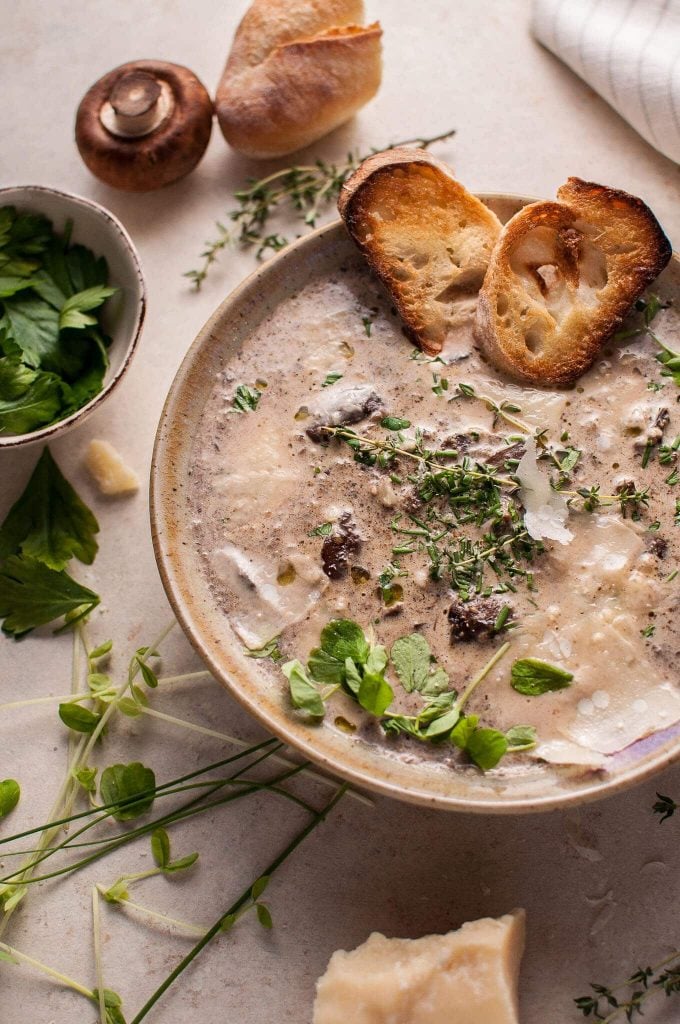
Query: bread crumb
x=108 y=470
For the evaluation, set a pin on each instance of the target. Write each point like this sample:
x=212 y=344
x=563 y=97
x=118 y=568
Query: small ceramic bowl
x=123 y=315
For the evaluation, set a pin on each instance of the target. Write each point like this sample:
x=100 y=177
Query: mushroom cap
x=146 y=162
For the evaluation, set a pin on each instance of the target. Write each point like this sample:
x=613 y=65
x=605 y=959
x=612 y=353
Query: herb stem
x=185 y=926
x=345 y=434
x=40 y=966
x=482 y=674
x=317 y=819
x=98 y=968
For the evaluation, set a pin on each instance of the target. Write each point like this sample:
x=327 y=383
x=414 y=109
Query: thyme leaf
x=305 y=191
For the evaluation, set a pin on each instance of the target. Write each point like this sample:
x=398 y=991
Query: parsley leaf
x=246 y=398
x=332 y=378
x=32 y=329
x=34 y=406
x=32 y=594
x=412 y=660
x=73 y=312
x=322 y=530
x=49 y=522
x=533 y=677
x=131 y=786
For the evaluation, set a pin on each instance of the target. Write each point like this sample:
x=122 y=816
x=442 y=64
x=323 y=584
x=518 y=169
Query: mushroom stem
x=137 y=105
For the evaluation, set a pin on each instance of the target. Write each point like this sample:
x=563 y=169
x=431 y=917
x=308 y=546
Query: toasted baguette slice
x=562 y=278
x=426 y=237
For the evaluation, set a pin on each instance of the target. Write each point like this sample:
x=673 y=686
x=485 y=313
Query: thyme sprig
x=669 y=359
x=306 y=190
x=468 y=493
x=607 y=1006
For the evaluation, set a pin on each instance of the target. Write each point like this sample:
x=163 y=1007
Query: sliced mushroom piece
x=341 y=407
x=472 y=619
x=144 y=125
x=339 y=547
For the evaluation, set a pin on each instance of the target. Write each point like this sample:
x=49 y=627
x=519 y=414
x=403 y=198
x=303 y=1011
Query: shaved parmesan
x=546 y=510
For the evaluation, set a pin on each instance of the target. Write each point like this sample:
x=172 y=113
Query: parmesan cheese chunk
x=466 y=977
x=110 y=473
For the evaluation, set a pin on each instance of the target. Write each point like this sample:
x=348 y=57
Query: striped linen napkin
x=628 y=51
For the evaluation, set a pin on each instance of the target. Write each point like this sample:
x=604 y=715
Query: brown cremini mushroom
x=144 y=125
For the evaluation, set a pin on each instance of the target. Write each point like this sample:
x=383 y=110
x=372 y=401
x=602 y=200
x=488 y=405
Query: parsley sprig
x=53 y=351
x=47 y=526
x=305 y=190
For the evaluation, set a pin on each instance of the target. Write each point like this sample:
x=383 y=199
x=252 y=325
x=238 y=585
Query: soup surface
x=319 y=492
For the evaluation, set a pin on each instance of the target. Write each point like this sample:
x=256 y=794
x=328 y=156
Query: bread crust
x=563 y=277
x=427 y=238
x=297 y=70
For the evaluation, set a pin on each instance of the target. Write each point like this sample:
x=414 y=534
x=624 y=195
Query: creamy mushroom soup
x=340 y=474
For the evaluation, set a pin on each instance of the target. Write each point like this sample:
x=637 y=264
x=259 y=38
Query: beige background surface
x=601 y=884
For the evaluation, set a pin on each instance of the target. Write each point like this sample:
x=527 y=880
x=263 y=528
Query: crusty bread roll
x=297 y=69
x=426 y=237
x=562 y=278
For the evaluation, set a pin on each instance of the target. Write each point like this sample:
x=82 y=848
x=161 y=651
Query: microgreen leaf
x=182 y=863
x=412 y=660
x=375 y=694
x=148 y=674
x=160 y=847
x=112 y=1005
x=268 y=650
x=532 y=677
x=259 y=887
x=86 y=777
x=486 y=747
x=342 y=638
x=303 y=693
x=49 y=522
x=460 y=737
x=443 y=724
x=78 y=718
x=263 y=916
x=101 y=650
x=10 y=793
x=332 y=378
x=32 y=594
x=130 y=786
x=521 y=737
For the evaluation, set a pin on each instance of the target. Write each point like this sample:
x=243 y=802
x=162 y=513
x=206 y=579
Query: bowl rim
x=160 y=508
x=12 y=441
